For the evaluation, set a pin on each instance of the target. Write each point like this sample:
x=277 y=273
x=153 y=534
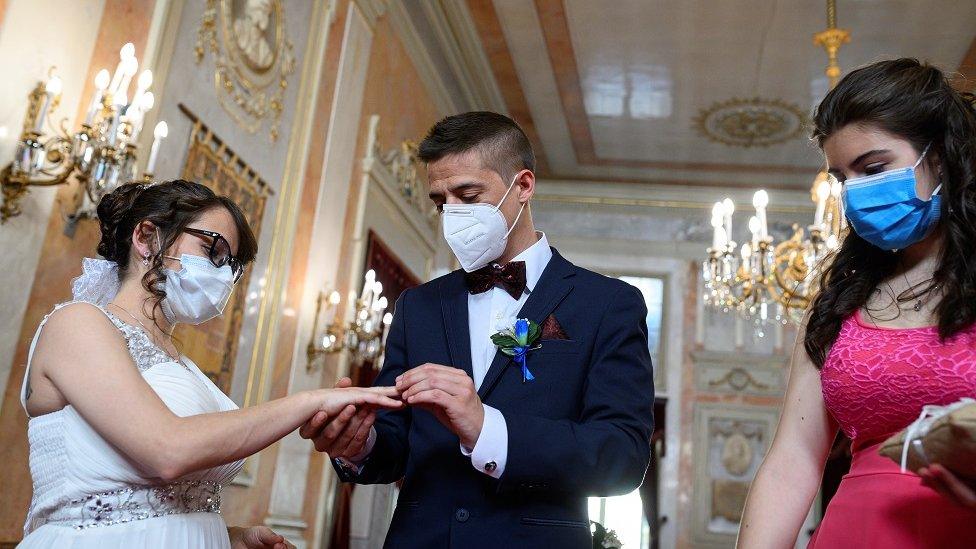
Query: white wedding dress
x=89 y=495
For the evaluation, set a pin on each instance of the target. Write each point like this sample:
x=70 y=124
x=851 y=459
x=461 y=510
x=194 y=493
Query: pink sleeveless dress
x=875 y=382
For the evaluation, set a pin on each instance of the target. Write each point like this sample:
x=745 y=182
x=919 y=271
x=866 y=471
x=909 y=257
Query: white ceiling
x=645 y=68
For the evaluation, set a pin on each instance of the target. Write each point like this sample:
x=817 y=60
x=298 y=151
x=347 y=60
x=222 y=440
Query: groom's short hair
x=501 y=143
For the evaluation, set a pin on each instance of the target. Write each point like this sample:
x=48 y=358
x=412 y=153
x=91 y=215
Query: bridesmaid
x=893 y=326
x=130 y=443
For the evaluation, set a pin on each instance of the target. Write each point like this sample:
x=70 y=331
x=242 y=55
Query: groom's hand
x=449 y=394
x=343 y=436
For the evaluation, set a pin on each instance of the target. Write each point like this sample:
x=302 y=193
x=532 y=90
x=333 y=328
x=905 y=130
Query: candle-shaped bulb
x=127 y=51
x=145 y=79
x=728 y=206
x=120 y=100
x=334 y=297
x=823 y=190
x=147 y=101
x=159 y=133
x=161 y=130
x=721 y=238
x=101 y=80
x=835 y=187
x=754 y=225
x=760 y=199
x=387 y=319
x=746 y=251
x=370 y=275
x=51 y=89
x=53 y=86
x=130 y=66
x=832 y=242
x=718 y=211
x=378 y=288
x=381 y=304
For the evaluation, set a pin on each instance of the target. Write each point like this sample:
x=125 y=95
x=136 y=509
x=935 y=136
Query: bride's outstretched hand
x=334 y=400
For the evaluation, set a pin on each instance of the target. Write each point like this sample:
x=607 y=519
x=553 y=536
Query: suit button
x=462 y=515
x=491 y=466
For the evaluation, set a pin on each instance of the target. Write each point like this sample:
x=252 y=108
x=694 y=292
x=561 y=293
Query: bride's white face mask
x=197 y=292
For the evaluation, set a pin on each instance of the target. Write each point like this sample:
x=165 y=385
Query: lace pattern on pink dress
x=876 y=380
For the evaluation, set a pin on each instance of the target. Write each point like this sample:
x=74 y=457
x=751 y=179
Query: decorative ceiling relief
x=755 y=122
x=253 y=59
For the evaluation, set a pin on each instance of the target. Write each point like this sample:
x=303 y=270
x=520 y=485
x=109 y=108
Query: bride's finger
x=380 y=400
x=383 y=390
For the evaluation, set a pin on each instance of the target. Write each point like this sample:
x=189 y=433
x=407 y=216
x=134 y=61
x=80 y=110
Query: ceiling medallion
x=755 y=122
x=253 y=59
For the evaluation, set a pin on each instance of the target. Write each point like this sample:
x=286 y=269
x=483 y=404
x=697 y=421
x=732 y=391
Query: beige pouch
x=942 y=434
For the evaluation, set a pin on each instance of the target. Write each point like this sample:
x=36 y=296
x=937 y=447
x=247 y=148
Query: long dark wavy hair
x=914 y=101
x=171 y=206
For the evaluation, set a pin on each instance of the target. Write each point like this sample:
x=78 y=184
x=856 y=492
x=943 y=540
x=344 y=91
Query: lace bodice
x=876 y=380
x=82 y=481
x=145 y=353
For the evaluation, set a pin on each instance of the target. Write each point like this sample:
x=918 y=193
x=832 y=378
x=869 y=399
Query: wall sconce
x=362 y=333
x=101 y=155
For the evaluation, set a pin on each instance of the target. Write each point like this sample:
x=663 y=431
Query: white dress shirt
x=490 y=312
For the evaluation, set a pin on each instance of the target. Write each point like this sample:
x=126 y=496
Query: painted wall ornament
x=253 y=59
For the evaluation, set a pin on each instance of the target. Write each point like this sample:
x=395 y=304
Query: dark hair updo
x=171 y=206
x=915 y=102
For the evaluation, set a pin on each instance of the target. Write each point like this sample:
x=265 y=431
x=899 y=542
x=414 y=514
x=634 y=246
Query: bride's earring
x=145 y=260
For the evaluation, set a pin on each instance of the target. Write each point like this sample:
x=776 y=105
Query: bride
x=130 y=443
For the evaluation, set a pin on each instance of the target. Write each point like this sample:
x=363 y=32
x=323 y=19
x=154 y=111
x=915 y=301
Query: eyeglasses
x=219 y=252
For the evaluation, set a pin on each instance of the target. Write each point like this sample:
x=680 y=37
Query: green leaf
x=502 y=340
x=507 y=351
x=534 y=332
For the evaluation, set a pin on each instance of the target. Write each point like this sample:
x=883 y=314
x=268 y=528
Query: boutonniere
x=517 y=341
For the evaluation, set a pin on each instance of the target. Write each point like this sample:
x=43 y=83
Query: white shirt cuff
x=491 y=450
x=356 y=461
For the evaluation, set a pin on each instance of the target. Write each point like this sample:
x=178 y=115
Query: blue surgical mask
x=885 y=210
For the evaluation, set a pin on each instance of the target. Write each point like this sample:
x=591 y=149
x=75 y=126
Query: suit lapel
x=454 y=307
x=553 y=286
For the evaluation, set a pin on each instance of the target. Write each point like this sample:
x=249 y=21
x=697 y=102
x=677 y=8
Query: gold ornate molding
x=253 y=59
x=399 y=169
x=756 y=122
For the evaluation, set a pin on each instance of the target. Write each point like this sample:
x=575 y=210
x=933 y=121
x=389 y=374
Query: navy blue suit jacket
x=581 y=428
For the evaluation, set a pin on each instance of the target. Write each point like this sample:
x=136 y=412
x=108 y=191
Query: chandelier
x=362 y=332
x=100 y=155
x=768 y=282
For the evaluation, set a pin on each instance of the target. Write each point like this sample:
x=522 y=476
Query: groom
x=496 y=451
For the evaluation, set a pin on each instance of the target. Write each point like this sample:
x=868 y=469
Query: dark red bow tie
x=510 y=278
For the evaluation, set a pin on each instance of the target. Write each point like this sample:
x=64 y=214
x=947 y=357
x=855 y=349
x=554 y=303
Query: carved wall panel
x=740 y=374
x=733 y=440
